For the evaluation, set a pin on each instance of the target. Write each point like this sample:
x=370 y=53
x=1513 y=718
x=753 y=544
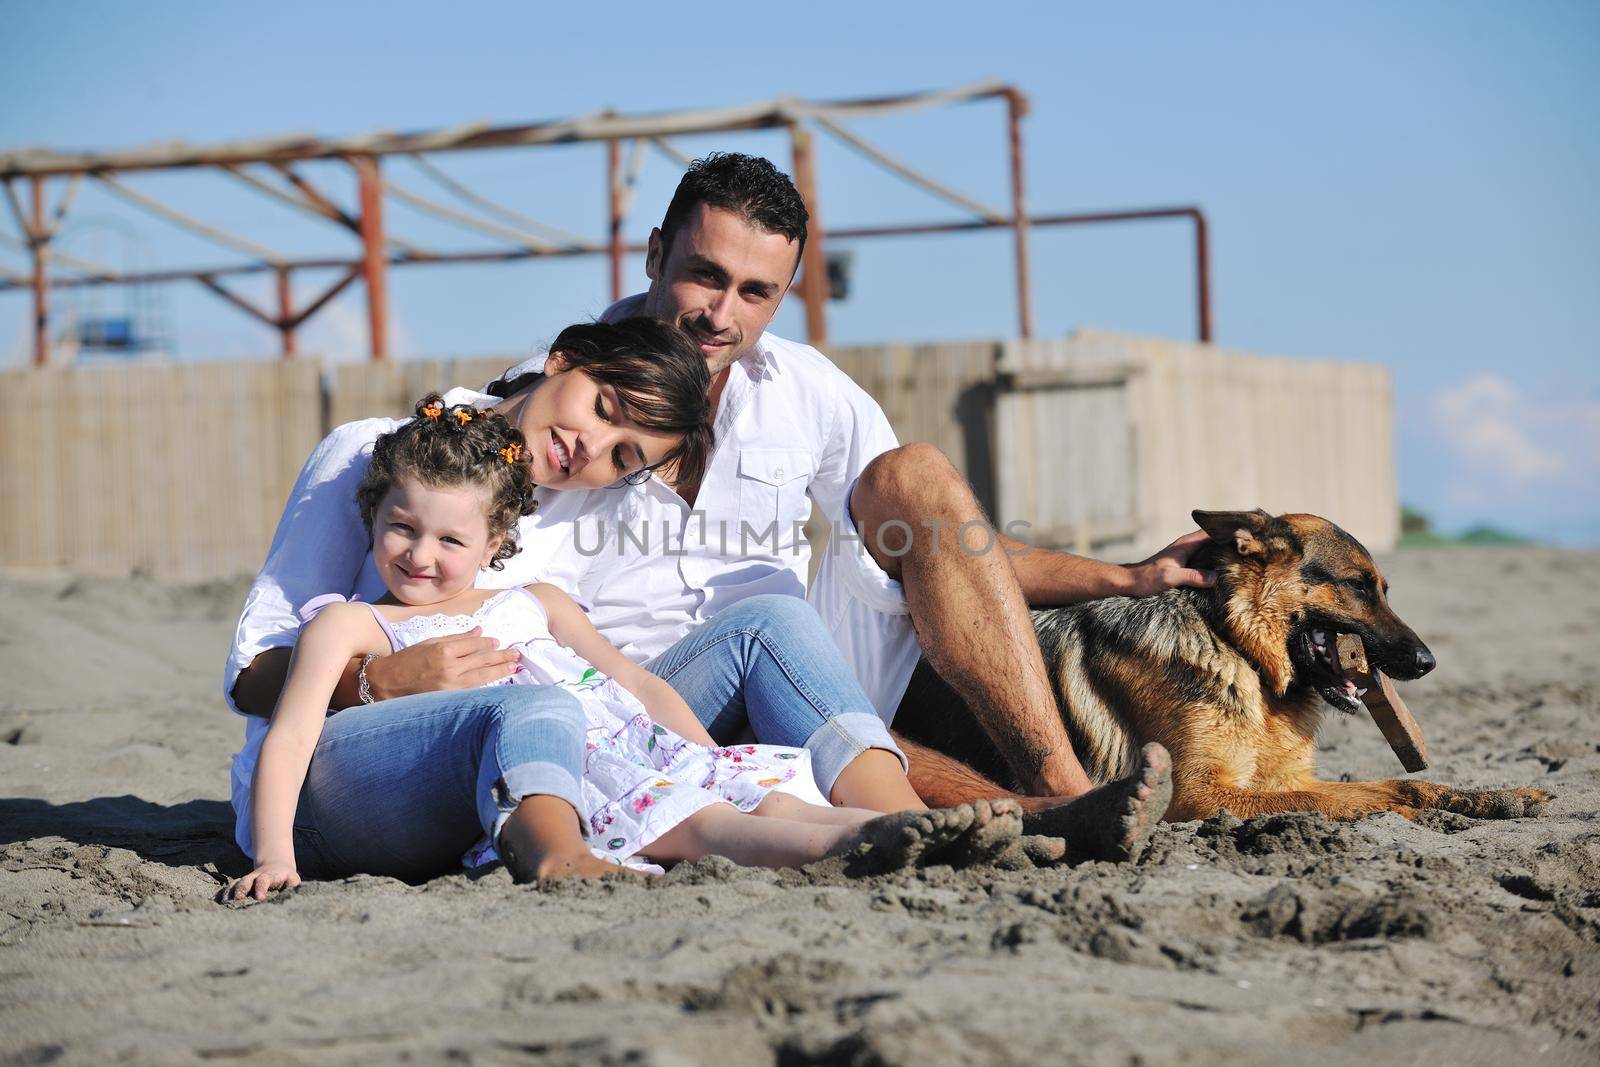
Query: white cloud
x=1513 y=448
x=1486 y=421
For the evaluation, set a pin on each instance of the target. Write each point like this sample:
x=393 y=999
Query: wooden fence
x=1109 y=440
x=176 y=470
x=1099 y=441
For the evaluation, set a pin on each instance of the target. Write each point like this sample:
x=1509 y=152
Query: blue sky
x=1411 y=184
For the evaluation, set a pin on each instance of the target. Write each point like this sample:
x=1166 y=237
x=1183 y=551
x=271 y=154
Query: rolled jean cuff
x=526 y=780
x=841 y=738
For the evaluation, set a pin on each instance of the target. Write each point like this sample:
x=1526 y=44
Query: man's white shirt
x=789 y=423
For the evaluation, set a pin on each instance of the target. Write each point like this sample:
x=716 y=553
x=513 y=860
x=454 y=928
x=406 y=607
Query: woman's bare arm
x=455 y=661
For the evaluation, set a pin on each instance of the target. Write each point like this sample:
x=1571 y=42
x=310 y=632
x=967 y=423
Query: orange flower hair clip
x=457 y=417
x=434 y=410
x=512 y=452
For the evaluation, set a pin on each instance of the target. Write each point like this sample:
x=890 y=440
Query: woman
x=396 y=782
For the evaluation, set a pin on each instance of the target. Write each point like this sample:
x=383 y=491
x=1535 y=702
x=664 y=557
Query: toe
x=1157 y=760
x=1043 y=850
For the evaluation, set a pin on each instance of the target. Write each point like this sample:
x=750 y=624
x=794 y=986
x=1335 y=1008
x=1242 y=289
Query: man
x=895 y=583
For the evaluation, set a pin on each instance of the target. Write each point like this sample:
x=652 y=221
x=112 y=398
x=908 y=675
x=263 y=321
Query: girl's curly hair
x=446 y=447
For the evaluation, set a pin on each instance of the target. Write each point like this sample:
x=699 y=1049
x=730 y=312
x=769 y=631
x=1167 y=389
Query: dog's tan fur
x=1211 y=675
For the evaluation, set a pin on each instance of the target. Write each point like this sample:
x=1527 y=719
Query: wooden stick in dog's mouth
x=1383 y=703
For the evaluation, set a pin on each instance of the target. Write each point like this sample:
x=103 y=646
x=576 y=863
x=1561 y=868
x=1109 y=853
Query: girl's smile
x=428 y=542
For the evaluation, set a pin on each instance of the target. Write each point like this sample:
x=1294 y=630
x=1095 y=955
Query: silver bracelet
x=363 y=690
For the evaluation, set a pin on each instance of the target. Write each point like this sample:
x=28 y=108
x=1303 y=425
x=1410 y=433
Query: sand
x=1286 y=938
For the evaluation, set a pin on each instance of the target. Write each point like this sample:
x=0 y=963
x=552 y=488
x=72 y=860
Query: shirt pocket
x=772 y=490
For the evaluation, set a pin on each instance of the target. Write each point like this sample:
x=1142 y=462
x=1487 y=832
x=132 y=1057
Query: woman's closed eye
x=619 y=455
x=616 y=453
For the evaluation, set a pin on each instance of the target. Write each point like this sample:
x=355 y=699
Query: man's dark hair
x=748 y=186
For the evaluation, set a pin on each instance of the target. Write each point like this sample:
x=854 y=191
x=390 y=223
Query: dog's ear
x=1243 y=531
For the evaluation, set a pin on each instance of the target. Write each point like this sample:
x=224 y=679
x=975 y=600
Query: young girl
x=440 y=499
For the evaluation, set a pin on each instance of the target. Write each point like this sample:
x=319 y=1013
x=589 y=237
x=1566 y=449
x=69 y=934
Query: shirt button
x=777 y=472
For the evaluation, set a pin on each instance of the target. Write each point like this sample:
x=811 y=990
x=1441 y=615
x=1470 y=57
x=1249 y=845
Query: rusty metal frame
x=526 y=237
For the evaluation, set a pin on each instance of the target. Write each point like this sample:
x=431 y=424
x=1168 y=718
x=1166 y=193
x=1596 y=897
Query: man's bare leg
x=1108 y=823
x=968 y=609
x=942 y=781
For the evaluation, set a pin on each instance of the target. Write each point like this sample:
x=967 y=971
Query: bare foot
x=960 y=836
x=549 y=865
x=1111 y=822
x=543 y=841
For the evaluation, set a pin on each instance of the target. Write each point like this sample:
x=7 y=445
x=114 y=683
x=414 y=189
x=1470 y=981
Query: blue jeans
x=403 y=787
x=768 y=664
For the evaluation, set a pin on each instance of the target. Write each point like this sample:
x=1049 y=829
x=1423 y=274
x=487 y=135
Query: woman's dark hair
x=660 y=379
x=445 y=447
x=748 y=186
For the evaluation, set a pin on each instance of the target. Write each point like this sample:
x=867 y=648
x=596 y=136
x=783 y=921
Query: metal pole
x=286 y=312
x=766 y=115
x=1016 y=110
x=41 y=279
x=1202 y=270
x=375 y=263
x=96 y=275
x=814 y=272
x=614 y=170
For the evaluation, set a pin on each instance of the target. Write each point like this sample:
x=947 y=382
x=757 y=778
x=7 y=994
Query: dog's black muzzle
x=1402 y=657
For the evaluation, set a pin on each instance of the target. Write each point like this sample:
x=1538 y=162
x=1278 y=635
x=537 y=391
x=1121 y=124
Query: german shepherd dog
x=1233 y=680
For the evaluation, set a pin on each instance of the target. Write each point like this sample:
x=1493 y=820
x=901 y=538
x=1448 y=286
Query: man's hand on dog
x=1169 y=569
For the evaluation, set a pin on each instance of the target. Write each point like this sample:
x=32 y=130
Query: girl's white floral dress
x=639 y=778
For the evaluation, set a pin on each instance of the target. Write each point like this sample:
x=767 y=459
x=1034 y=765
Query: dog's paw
x=1496 y=803
x=1534 y=801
